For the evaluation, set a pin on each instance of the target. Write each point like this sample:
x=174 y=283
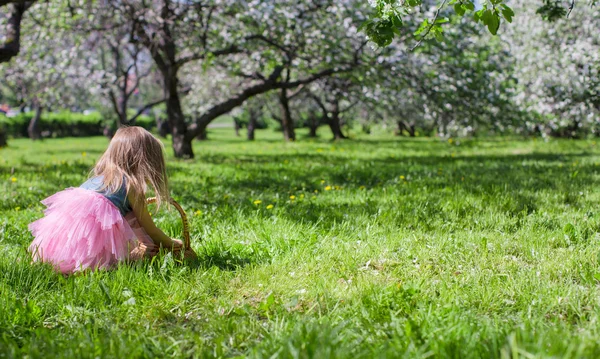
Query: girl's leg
x=145 y=246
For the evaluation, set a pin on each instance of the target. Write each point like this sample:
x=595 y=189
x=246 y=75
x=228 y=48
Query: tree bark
x=163 y=127
x=182 y=147
x=12 y=42
x=108 y=132
x=313 y=125
x=182 y=143
x=287 y=124
x=251 y=125
x=411 y=129
x=236 y=126
x=408 y=127
x=2 y=138
x=202 y=135
x=33 y=130
x=400 y=129
x=334 y=122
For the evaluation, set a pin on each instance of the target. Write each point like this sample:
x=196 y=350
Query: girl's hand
x=143 y=251
x=177 y=245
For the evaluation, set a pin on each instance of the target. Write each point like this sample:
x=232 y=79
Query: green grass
x=389 y=248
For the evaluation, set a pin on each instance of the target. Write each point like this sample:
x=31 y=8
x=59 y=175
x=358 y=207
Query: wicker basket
x=189 y=252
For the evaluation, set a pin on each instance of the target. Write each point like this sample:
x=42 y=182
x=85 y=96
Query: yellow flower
x=198 y=213
x=292 y=197
x=83 y=154
x=362 y=187
x=316 y=191
x=257 y=202
x=302 y=195
x=17 y=209
x=450 y=141
x=338 y=187
x=322 y=181
x=13 y=179
x=328 y=188
x=270 y=206
x=402 y=177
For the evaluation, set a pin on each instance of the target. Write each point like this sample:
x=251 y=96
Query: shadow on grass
x=429 y=183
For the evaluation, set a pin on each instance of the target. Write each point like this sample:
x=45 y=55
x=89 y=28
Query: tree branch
x=12 y=44
x=437 y=14
x=228 y=105
x=233 y=49
x=144 y=108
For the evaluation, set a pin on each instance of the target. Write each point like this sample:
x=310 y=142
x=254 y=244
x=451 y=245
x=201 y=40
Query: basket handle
x=184 y=220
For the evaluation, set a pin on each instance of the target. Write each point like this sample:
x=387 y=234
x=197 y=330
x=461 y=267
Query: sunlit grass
x=374 y=247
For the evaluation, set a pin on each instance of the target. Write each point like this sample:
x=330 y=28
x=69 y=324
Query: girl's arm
x=143 y=216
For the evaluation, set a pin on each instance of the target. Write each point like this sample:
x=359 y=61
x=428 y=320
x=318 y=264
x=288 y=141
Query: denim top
x=119 y=198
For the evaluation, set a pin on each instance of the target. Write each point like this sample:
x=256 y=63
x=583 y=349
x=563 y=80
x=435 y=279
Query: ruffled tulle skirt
x=81 y=229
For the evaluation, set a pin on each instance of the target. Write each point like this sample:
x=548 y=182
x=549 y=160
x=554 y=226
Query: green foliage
x=414 y=248
x=552 y=10
x=64 y=124
x=387 y=21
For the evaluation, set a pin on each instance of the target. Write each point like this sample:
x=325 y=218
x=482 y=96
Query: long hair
x=134 y=157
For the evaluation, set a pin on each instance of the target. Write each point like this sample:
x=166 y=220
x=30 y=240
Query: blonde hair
x=134 y=158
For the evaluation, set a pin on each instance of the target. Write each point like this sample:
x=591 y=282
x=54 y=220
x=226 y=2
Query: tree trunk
x=287 y=124
x=409 y=127
x=400 y=129
x=236 y=127
x=162 y=126
x=411 y=130
x=313 y=125
x=182 y=147
x=202 y=136
x=251 y=126
x=334 y=122
x=108 y=132
x=2 y=138
x=122 y=113
x=182 y=144
x=33 y=130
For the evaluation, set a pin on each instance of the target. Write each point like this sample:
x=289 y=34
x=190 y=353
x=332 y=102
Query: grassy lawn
x=374 y=247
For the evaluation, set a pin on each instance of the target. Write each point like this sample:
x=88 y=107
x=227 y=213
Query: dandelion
x=292 y=197
x=322 y=181
x=302 y=195
x=337 y=187
x=362 y=187
x=257 y=202
x=17 y=209
x=316 y=191
x=198 y=213
x=13 y=179
x=450 y=140
x=402 y=177
x=270 y=206
x=83 y=154
x=328 y=188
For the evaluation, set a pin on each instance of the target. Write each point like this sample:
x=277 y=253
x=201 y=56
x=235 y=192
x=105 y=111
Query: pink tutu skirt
x=81 y=229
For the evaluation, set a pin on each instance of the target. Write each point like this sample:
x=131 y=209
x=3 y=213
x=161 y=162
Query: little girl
x=106 y=221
